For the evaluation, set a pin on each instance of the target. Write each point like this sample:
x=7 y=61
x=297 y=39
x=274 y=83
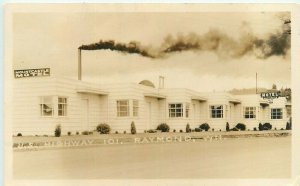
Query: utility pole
x=256 y=83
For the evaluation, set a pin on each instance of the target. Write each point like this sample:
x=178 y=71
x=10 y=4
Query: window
x=62 y=106
x=122 y=108
x=187 y=110
x=276 y=113
x=135 y=107
x=175 y=110
x=250 y=112
x=216 y=111
x=46 y=106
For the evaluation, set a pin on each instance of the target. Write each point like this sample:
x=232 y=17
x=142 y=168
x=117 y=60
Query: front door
x=194 y=115
x=149 y=120
x=85 y=114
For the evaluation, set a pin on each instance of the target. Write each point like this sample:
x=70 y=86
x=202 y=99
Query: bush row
x=104 y=128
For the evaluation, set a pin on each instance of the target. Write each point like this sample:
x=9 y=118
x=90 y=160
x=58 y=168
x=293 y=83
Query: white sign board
x=32 y=72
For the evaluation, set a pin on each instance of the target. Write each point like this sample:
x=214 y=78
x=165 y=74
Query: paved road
x=231 y=158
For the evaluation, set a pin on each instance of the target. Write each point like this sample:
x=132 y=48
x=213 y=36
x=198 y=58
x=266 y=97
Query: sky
x=200 y=51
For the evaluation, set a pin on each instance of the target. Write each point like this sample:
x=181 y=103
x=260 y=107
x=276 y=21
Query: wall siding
x=103 y=108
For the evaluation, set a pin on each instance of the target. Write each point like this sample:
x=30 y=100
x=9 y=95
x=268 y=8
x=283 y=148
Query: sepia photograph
x=130 y=93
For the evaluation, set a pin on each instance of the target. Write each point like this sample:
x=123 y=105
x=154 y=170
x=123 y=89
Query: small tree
x=288 y=126
x=133 y=129
x=57 y=131
x=187 y=128
x=227 y=127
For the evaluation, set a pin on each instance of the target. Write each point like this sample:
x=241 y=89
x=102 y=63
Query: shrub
x=124 y=131
x=204 y=126
x=103 y=128
x=260 y=127
x=220 y=130
x=181 y=131
x=145 y=131
x=19 y=134
x=57 y=131
x=151 y=131
x=254 y=129
x=77 y=133
x=241 y=126
x=235 y=129
x=275 y=128
x=267 y=126
x=227 y=127
x=163 y=127
x=213 y=129
x=116 y=132
x=174 y=130
x=198 y=130
x=281 y=129
x=85 y=132
x=132 y=128
x=69 y=133
x=188 y=128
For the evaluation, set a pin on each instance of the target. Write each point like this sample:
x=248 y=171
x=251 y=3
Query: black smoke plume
x=131 y=48
x=223 y=45
x=276 y=44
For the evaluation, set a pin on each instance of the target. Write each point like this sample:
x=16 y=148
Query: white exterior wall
x=27 y=96
x=218 y=99
x=252 y=101
x=130 y=92
x=263 y=114
x=103 y=108
x=177 y=96
x=279 y=123
x=196 y=109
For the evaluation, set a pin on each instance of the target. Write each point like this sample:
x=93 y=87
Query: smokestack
x=161 y=82
x=79 y=64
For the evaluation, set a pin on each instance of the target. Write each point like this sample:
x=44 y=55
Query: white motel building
x=42 y=102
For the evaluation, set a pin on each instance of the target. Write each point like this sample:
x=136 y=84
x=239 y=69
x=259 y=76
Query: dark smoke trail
x=276 y=44
x=224 y=45
x=131 y=48
x=216 y=41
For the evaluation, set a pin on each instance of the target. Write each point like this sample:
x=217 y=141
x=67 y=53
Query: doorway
x=85 y=114
x=149 y=115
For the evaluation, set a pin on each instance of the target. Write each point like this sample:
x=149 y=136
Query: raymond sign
x=270 y=95
x=32 y=72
